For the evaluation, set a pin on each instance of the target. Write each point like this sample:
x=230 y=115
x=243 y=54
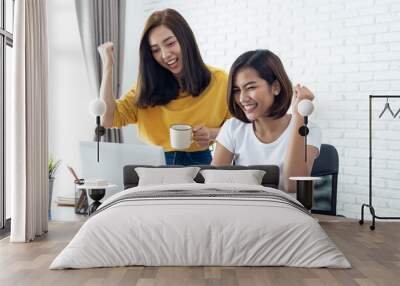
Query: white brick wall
x=344 y=51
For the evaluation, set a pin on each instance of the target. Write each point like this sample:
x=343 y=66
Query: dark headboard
x=270 y=179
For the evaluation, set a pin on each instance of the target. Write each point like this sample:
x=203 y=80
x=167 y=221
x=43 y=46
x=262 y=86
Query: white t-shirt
x=239 y=138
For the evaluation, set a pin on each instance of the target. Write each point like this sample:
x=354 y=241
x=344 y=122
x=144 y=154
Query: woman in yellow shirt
x=174 y=87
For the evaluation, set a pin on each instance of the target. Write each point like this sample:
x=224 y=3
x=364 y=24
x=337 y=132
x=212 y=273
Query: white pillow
x=166 y=176
x=249 y=177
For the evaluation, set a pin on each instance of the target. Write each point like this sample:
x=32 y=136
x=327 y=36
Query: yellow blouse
x=209 y=109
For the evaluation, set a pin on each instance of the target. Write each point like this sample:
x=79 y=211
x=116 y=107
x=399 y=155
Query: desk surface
x=305 y=178
x=95 y=187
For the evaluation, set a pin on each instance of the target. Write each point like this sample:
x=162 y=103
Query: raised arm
x=294 y=164
x=106 y=91
x=222 y=156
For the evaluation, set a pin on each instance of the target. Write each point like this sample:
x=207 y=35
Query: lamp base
x=96 y=195
x=99 y=131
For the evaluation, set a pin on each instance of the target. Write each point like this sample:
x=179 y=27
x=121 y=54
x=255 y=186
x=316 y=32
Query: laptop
x=112 y=159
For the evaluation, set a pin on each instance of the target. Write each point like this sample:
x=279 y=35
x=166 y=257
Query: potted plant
x=52 y=166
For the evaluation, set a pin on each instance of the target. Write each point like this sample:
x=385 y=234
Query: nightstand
x=305 y=190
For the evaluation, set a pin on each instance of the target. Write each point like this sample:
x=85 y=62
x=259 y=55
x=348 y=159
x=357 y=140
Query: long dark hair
x=157 y=85
x=270 y=68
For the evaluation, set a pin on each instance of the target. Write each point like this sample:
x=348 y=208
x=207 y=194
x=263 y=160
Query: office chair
x=326 y=166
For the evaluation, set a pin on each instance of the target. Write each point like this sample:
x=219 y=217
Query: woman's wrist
x=107 y=66
x=298 y=119
x=213 y=133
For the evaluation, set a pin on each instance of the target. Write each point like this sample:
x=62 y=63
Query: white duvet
x=200 y=231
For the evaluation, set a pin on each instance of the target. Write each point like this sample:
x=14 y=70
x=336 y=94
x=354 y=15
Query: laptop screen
x=113 y=157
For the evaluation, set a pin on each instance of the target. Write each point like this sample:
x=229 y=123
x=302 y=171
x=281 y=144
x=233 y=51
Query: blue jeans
x=188 y=158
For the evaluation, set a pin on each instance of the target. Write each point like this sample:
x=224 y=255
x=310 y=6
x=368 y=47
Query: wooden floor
x=374 y=255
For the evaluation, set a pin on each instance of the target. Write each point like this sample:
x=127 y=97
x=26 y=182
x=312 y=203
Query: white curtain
x=29 y=134
x=101 y=21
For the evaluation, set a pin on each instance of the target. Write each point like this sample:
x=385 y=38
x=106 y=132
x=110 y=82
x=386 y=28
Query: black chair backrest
x=270 y=179
x=327 y=163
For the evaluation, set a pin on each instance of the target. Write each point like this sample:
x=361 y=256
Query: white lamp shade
x=305 y=107
x=97 y=107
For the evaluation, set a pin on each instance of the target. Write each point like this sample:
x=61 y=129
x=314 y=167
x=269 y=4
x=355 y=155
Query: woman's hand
x=202 y=136
x=300 y=93
x=106 y=51
x=106 y=92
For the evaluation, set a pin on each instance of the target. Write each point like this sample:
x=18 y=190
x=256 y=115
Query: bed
x=201 y=224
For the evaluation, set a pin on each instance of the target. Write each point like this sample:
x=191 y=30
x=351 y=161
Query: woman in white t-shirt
x=261 y=131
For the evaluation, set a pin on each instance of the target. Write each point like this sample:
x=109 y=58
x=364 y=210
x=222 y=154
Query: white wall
x=344 y=51
x=134 y=23
x=69 y=91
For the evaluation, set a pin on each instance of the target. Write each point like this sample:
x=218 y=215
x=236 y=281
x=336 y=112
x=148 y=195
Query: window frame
x=6 y=39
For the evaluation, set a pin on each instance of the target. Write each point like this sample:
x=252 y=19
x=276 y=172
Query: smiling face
x=253 y=94
x=166 y=49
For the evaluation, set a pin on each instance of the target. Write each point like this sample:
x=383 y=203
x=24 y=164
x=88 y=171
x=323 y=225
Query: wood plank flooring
x=374 y=255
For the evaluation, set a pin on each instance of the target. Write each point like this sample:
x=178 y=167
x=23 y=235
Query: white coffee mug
x=180 y=136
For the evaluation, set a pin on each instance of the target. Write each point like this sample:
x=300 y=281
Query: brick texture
x=344 y=51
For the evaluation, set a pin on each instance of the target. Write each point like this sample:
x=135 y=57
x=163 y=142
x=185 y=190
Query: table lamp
x=97 y=108
x=305 y=184
x=305 y=108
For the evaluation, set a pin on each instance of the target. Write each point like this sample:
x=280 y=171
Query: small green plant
x=53 y=166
